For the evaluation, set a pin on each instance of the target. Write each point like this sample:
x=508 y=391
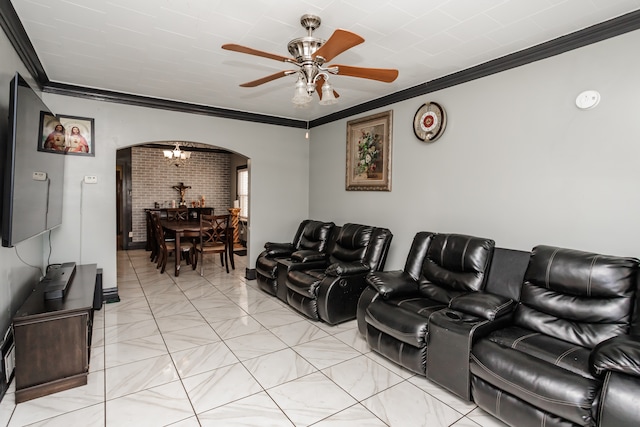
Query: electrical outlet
x=90 y=179
x=131 y=234
x=39 y=176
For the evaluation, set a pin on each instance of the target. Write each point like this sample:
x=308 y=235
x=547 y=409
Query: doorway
x=145 y=180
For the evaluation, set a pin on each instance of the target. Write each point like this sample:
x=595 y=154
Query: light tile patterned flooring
x=217 y=351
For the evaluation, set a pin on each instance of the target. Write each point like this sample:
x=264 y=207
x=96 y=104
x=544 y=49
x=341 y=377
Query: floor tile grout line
x=169 y=352
x=222 y=340
x=408 y=379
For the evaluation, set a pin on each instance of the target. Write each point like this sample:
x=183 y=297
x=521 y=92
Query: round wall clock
x=429 y=122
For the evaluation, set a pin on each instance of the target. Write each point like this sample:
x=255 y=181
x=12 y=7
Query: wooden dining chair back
x=165 y=246
x=151 y=237
x=162 y=251
x=178 y=214
x=214 y=238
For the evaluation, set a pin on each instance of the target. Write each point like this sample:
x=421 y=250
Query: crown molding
x=12 y=27
x=602 y=31
x=614 y=27
x=183 y=107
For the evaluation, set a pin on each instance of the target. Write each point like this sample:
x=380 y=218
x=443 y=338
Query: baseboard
x=110 y=295
x=250 y=273
x=136 y=245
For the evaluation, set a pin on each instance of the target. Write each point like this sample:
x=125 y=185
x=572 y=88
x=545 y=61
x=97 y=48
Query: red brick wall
x=153 y=179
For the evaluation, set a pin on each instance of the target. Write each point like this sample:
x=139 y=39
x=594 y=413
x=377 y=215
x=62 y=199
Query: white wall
x=278 y=172
x=518 y=161
x=279 y=183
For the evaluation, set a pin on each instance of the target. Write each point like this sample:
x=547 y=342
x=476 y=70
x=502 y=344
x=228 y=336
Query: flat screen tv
x=33 y=180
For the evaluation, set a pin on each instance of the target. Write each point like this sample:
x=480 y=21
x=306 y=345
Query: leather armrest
x=620 y=354
x=278 y=249
x=291 y=265
x=346 y=269
x=483 y=304
x=308 y=255
x=391 y=284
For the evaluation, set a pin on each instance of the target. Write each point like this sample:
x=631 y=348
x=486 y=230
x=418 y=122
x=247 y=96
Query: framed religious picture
x=369 y=152
x=66 y=135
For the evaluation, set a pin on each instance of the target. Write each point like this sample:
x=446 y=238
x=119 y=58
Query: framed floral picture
x=369 y=152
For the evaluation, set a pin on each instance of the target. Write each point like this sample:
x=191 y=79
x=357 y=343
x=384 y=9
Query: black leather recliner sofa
x=311 y=239
x=553 y=338
x=394 y=311
x=329 y=289
x=569 y=355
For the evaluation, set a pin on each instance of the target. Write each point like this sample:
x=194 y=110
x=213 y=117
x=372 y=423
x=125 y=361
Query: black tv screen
x=33 y=180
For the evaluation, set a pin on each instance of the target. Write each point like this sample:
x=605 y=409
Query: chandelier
x=176 y=156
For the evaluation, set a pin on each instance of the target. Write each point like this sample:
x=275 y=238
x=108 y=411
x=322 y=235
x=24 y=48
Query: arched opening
x=146 y=179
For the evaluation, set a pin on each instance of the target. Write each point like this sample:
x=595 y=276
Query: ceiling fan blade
x=250 y=51
x=266 y=79
x=319 y=84
x=381 y=74
x=339 y=41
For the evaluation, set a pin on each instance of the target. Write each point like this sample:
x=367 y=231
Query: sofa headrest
x=577 y=296
x=458 y=262
x=315 y=234
x=351 y=242
x=582 y=273
x=356 y=242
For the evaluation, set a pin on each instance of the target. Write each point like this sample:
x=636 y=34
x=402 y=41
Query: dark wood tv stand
x=53 y=338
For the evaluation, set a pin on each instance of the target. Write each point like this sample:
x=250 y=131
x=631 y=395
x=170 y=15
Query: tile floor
x=217 y=351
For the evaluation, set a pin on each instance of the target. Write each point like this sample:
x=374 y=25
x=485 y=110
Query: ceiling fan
x=309 y=56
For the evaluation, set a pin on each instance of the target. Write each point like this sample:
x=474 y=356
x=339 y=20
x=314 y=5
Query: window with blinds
x=243 y=192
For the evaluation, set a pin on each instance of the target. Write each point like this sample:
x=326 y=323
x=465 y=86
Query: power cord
x=50 y=250
x=81 y=221
x=27 y=264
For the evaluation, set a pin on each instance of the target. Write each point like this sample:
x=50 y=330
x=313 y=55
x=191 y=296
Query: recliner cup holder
x=460 y=317
x=453 y=315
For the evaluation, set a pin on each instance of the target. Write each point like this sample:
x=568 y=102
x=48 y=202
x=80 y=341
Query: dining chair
x=166 y=247
x=214 y=238
x=152 y=241
x=178 y=214
x=205 y=211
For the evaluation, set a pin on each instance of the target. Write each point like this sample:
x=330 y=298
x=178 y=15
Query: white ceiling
x=170 y=49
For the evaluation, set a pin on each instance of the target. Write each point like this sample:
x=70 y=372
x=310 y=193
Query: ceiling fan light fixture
x=328 y=98
x=309 y=54
x=301 y=98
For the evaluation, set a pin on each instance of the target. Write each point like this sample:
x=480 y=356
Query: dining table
x=180 y=229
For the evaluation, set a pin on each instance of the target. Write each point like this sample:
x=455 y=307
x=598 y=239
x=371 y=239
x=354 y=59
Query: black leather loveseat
x=310 y=241
x=551 y=340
